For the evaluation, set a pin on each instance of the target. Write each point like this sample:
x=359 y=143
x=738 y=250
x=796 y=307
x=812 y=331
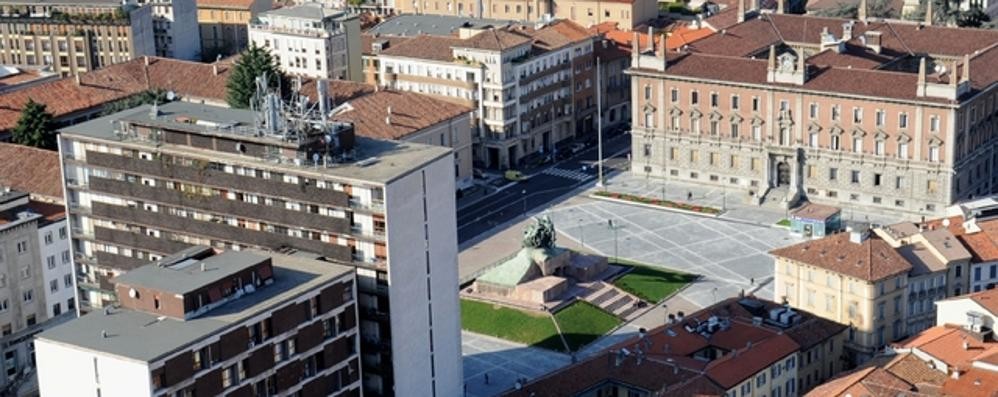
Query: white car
x=578 y=147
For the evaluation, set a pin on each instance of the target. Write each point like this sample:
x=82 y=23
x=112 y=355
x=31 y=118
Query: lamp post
x=524 y=191
x=614 y=228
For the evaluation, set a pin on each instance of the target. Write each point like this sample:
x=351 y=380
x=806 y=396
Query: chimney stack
x=214 y=69
x=952 y=75
x=635 y=48
x=862 y=10
x=146 y=59
x=771 y=65
x=921 y=71
x=741 y=11
x=779 y=6
x=388 y=118
x=78 y=78
x=651 y=39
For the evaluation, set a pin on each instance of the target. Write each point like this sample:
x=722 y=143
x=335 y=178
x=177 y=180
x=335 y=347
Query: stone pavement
x=504 y=362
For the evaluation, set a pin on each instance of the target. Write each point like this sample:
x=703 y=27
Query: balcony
x=218 y=230
x=220 y=205
x=374 y=206
x=139 y=240
x=219 y=179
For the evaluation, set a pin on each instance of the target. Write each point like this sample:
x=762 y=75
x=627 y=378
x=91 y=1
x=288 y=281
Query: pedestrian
x=486 y=378
x=752 y=281
x=689 y=196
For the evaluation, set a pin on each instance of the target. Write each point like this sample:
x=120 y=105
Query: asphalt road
x=546 y=184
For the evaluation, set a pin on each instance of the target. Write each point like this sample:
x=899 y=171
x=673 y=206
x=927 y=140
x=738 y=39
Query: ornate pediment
x=935 y=141
x=880 y=135
x=675 y=111
x=735 y=118
x=904 y=138
x=715 y=116
x=757 y=121
x=858 y=132
x=813 y=127
x=695 y=113
x=836 y=130
x=649 y=108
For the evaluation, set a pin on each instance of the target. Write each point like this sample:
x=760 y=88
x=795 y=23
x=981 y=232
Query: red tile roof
x=435 y=48
x=872 y=260
x=31 y=170
x=975 y=382
x=733 y=369
x=953 y=346
x=494 y=39
x=96 y=88
x=341 y=90
x=410 y=113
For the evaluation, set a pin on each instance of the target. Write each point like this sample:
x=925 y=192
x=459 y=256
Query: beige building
x=516 y=10
x=73 y=37
x=223 y=25
x=628 y=14
x=887 y=115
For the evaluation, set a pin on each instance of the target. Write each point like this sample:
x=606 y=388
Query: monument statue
x=539 y=234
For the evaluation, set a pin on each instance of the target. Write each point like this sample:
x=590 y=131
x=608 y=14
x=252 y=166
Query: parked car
x=577 y=147
x=514 y=176
x=478 y=173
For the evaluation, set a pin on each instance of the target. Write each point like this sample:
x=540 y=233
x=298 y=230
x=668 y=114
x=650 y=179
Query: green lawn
x=510 y=324
x=783 y=222
x=651 y=284
x=582 y=323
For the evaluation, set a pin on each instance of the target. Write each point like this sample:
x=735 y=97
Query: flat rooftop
x=434 y=25
x=181 y=274
x=311 y=11
x=146 y=337
x=393 y=159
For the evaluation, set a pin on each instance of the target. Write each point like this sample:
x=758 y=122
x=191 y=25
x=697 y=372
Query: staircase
x=613 y=300
x=777 y=198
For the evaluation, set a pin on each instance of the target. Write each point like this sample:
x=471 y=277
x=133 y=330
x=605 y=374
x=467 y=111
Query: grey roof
x=434 y=25
x=313 y=11
x=187 y=275
x=99 y=3
x=394 y=159
x=144 y=337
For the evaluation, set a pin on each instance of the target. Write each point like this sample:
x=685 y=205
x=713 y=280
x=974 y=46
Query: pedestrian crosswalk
x=570 y=174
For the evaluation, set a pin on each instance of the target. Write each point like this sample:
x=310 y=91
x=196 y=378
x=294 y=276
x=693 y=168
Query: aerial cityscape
x=478 y=198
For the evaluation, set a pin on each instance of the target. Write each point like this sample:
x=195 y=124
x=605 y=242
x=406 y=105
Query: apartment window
x=879 y=147
x=22 y=247
x=833 y=174
x=65 y=257
x=647 y=150
x=649 y=119
x=647 y=92
x=54 y=285
x=28 y=296
x=784 y=106
x=62 y=233
x=734 y=102
x=854 y=176
x=934 y=154
x=876 y=179
x=755 y=104
x=756 y=132
x=746 y=388
x=67 y=281
x=813 y=110
x=713 y=100
x=4 y=305
x=898 y=182
x=694 y=98
x=880 y=336
x=857 y=115
x=673 y=95
x=714 y=128
x=835 y=143
x=931 y=187
x=958 y=271
x=836 y=112
x=48 y=238
x=934 y=123
x=734 y=130
x=903 y=120
x=810 y=298
x=903 y=150
x=881 y=310
x=881 y=118
x=813 y=139
x=829 y=302
x=50 y=261
x=760 y=380
x=675 y=122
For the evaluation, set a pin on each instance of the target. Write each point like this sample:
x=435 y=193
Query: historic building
x=880 y=114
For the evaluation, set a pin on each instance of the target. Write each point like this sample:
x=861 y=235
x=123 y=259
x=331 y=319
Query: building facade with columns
x=879 y=114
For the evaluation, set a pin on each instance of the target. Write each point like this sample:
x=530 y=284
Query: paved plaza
x=504 y=362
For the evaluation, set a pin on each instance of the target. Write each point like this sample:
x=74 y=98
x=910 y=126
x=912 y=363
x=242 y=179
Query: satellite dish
x=132 y=293
x=171 y=96
x=315 y=158
x=946 y=222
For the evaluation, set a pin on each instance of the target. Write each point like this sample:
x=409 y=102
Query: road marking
x=570 y=174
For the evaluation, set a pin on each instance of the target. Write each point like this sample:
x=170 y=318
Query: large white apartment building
x=531 y=87
x=175 y=28
x=311 y=40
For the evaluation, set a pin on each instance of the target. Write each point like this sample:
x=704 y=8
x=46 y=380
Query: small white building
x=175 y=28
x=311 y=40
x=57 y=268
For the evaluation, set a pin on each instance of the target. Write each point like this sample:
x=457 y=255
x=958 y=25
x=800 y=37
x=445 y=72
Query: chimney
x=847 y=30
x=921 y=71
x=873 y=40
x=103 y=334
x=651 y=39
x=78 y=78
x=214 y=69
x=771 y=65
x=635 y=48
x=966 y=69
x=662 y=54
x=966 y=346
x=779 y=6
x=388 y=118
x=741 y=11
x=146 y=59
x=928 y=13
x=862 y=10
x=858 y=236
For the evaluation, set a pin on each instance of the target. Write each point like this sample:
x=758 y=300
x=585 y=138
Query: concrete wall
x=456 y=134
x=954 y=311
x=68 y=371
x=423 y=286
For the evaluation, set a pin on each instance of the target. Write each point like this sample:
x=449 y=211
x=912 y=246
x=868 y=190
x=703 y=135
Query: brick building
x=885 y=115
x=204 y=323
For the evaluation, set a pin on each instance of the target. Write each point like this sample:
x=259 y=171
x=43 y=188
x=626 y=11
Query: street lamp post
x=613 y=227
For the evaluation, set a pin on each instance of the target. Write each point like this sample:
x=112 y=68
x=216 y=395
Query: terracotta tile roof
x=982 y=245
x=989 y=358
x=558 y=34
x=838 y=385
x=494 y=39
x=723 y=20
x=366 y=40
x=988 y=299
x=119 y=81
x=341 y=90
x=953 y=346
x=676 y=38
x=410 y=113
x=814 y=330
x=872 y=260
x=975 y=382
x=436 y=48
x=649 y=375
x=854 y=56
x=232 y=4
x=51 y=212
x=731 y=370
x=913 y=370
x=815 y=211
x=31 y=170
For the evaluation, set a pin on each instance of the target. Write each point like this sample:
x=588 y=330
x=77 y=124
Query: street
x=547 y=184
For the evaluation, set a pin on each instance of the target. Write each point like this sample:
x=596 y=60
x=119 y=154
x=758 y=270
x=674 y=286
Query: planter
x=665 y=204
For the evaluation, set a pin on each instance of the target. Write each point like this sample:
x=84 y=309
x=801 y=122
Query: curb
x=657 y=207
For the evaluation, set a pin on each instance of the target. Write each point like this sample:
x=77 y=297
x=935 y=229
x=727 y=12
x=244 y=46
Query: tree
x=34 y=128
x=253 y=62
x=875 y=9
x=146 y=97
